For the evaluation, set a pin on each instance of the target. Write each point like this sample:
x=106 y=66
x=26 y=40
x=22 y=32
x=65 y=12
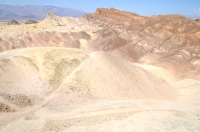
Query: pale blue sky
x=142 y=7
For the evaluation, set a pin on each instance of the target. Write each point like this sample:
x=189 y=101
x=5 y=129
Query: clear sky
x=141 y=7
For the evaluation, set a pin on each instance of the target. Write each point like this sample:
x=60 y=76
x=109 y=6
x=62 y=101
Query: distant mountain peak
x=36 y=12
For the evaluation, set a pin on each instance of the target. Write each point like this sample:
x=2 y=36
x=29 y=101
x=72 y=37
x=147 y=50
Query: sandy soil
x=60 y=89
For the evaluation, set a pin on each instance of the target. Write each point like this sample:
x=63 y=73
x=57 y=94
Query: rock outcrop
x=30 y=21
x=12 y=22
x=119 y=16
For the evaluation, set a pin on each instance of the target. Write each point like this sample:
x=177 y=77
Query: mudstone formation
x=108 y=71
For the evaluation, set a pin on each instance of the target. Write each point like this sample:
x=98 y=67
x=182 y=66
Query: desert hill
x=107 y=71
x=157 y=40
x=60 y=79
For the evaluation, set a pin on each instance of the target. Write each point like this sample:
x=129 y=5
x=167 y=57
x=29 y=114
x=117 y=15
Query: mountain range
x=36 y=12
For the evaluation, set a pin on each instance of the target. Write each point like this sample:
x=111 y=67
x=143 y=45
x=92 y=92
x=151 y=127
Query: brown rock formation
x=13 y=22
x=119 y=16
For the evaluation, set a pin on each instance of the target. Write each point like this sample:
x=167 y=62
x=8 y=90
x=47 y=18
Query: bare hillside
x=107 y=71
